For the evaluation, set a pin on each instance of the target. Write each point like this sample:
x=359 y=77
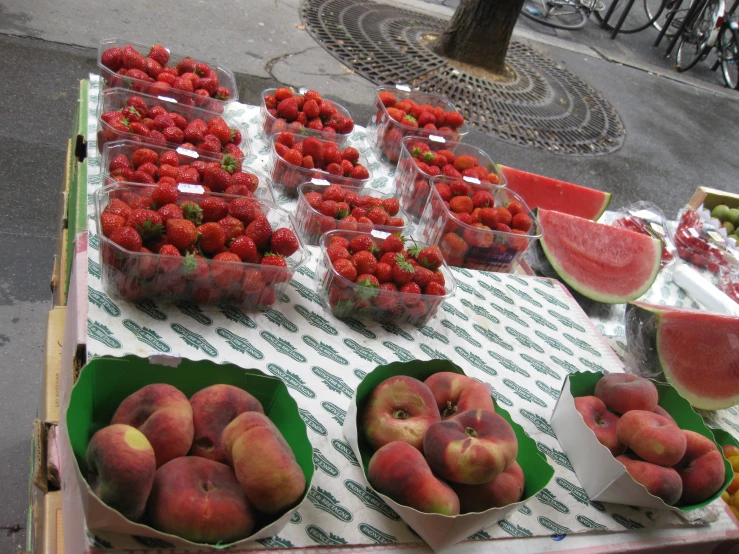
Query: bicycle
x=700 y=35
x=562 y=14
x=659 y=10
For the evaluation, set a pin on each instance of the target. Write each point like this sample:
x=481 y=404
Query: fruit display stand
x=521 y=335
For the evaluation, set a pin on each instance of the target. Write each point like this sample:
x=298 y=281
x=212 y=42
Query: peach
x=602 y=422
x=505 y=489
x=212 y=409
x=623 y=392
x=701 y=469
x=663 y=482
x=400 y=408
x=399 y=471
x=730 y=450
x=652 y=437
x=163 y=414
x=473 y=448
x=455 y=393
x=201 y=501
x=120 y=469
x=733 y=487
x=264 y=463
x=659 y=410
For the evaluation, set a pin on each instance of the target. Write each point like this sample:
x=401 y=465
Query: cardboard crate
x=710 y=198
x=47 y=529
x=48 y=411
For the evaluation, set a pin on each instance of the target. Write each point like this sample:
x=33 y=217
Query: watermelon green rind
x=590 y=231
x=699 y=355
x=551 y=194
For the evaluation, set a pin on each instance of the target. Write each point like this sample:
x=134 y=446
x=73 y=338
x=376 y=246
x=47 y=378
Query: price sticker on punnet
x=498 y=429
x=672 y=461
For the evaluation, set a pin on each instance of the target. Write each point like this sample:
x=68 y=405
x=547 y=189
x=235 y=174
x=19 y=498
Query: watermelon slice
x=603 y=263
x=697 y=351
x=544 y=192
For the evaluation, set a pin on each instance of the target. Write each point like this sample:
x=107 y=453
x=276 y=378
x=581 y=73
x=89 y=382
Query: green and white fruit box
x=105 y=382
x=603 y=477
x=440 y=531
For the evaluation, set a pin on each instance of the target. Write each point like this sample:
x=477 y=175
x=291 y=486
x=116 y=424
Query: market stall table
x=520 y=334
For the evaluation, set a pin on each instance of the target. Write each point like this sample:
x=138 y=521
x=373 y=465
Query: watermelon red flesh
x=603 y=263
x=544 y=192
x=699 y=355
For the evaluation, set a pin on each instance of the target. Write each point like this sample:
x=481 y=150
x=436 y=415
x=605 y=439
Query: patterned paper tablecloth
x=522 y=335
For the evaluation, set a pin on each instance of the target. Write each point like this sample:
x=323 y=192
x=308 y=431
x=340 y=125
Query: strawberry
x=274 y=260
x=294 y=157
x=341 y=241
x=218 y=127
x=395 y=222
x=454 y=248
x=337 y=252
x=284 y=242
x=350 y=154
x=133 y=60
x=410 y=288
x=387 y=297
x=365 y=262
x=245 y=248
x=226 y=269
x=165 y=194
x=211 y=237
x=454 y=119
x=117 y=206
x=127 y=238
x=378 y=216
x=214 y=208
x=360 y=172
x=521 y=222
x=392 y=243
x=222 y=93
x=503 y=216
x=260 y=232
x=173 y=134
x=461 y=204
x=384 y=272
x=516 y=207
x=248 y=180
x=430 y=257
x=335 y=193
x=148 y=223
x=488 y=217
x=482 y=238
x=503 y=228
x=110 y=221
x=483 y=199
x=144 y=155
x=288 y=109
x=422 y=276
x=112 y=58
x=362 y=242
x=181 y=233
x=191 y=211
x=349 y=223
x=120 y=162
x=171 y=258
x=169 y=211
x=367 y=280
x=313 y=199
x=345 y=268
x=244 y=209
x=434 y=289
x=329 y=208
x=402 y=270
x=391 y=205
x=160 y=54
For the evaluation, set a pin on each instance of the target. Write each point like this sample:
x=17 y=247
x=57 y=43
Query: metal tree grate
x=544 y=106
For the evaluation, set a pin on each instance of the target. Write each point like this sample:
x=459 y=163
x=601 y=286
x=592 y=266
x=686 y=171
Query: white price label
x=167 y=99
x=192 y=189
x=317 y=181
x=472 y=180
x=404 y=88
x=187 y=152
x=437 y=138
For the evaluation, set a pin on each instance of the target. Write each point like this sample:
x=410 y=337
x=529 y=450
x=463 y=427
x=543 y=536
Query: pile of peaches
x=439 y=446
x=205 y=469
x=679 y=466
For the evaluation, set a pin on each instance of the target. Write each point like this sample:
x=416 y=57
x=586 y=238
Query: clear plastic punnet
x=118 y=99
x=313 y=223
x=272 y=125
x=193 y=277
x=346 y=298
x=286 y=177
x=385 y=133
x=112 y=79
x=475 y=245
x=647 y=219
x=413 y=175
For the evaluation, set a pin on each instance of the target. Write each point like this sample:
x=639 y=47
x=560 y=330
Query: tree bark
x=479 y=33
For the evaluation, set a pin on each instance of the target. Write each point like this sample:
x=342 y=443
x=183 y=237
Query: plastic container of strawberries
x=384 y=133
x=413 y=185
x=286 y=177
x=347 y=299
x=313 y=224
x=268 y=122
x=114 y=80
x=185 y=156
x=472 y=247
x=140 y=275
x=115 y=99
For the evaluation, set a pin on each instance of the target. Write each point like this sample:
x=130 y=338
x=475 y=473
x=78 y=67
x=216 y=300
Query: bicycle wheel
x=728 y=42
x=693 y=43
x=657 y=11
x=560 y=14
x=637 y=19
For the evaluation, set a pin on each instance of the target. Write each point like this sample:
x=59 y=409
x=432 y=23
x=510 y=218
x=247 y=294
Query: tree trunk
x=479 y=33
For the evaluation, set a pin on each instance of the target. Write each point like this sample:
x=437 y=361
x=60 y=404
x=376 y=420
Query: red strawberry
x=483 y=199
x=294 y=157
x=148 y=223
x=434 y=289
x=365 y=262
x=384 y=272
x=367 y=280
x=288 y=109
x=337 y=252
x=260 y=232
x=181 y=233
x=313 y=147
x=329 y=208
x=245 y=249
x=335 y=193
x=127 y=237
x=211 y=237
x=516 y=207
x=160 y=54
x=169 y=211
x=165 y=194
x=118 y=207
x=192 y=212
x=503 y=216
x=171 y=260
x=274 y=260
x=454 y=119
x=345 y=268
x=222 y=93
x=522 y=222
x=360 y=172
x=218 y=127
x=284 y=242
x=422 y=276
x=430 y=257
x=110 y=221
x=245 y=179
x=410 y=288
x=244 y=209
x=378 y=216
x=391 y=205
x=228 y=273
x=144 y=155
x=232 y=227
x=341 y=241
x=112 y=58
x=253 y=281
x=488 y=217
x=216 y=178
x=402 y=270
x=214 y=208
x=362 y=242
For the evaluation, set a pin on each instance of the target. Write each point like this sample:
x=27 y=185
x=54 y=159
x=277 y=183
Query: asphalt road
x=678 y=137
